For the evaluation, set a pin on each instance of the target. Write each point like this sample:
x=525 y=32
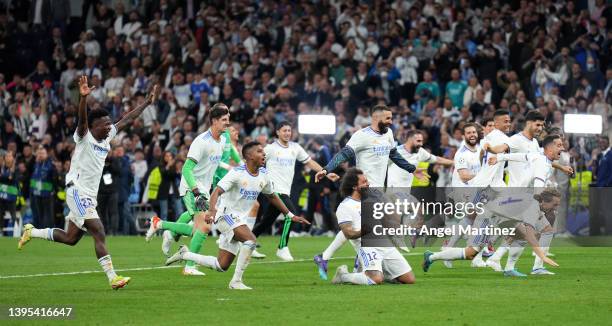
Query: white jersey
x=372 y=153
x=465 y=158
x=87 y=162
x=517 y=170
x=349 y=211
x=241 y=190
x=538 y=174
x=491 y=175
x=399 y=177
x=280 y=163
x=206 y=151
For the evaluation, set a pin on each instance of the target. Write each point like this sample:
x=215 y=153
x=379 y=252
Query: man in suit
x=601 y=215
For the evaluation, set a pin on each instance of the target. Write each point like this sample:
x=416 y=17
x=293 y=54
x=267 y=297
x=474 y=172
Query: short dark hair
x=549 y=140
x=468 y=125
x=95 y=115
x=282 y=124
x=500 y=113
x=534 y=115
x=247 y=147
x=379 y=107
x=218 y=110
x=413 y=132
x=350 y=181
x=486 y=121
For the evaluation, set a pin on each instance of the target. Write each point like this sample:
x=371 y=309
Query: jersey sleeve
x=460 y=161
x=426 y=156
x=356 y=142
x=235 y=156
x=228 y=181
x=513 y=144
x=112 y=133
x=540 y=171
x=76 y=137
x=343 y=215
x=267 y=189
x=302 y=156
x=197 y=150
x=268 y=151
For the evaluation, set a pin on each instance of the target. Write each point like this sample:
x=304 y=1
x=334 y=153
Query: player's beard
x=383 y=127
x=363 y=192
x=472 y=143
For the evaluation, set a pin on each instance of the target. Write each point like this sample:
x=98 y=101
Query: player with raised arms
x=92 y=137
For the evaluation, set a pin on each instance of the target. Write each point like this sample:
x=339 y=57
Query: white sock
x=457 y=235
x=449 y=254
x=478 y=257
x=339 y=240
x=545 y=240
x=514 y=252
x=250 y=222
x=243 y=259
x=107 y=266
x=356 y=278
x=500 y=252
x=46 y=234
x=206 y=261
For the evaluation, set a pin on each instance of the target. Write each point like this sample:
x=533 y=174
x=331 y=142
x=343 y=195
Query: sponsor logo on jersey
x=284 y=161
x=381 y=150
x=247 y=194
x=100 y=151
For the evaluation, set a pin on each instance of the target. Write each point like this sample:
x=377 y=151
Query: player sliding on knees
x=230 y=204
x=92 y=137
x=202 y=161
x=506 y=209
x=377 y=263
x=371 y=148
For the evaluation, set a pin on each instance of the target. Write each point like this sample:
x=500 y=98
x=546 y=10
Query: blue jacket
x=604 y=171
x=41 y=182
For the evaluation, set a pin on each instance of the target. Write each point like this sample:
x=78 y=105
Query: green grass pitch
x=292 y=293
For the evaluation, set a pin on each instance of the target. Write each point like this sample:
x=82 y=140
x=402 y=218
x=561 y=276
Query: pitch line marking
x=167 y=267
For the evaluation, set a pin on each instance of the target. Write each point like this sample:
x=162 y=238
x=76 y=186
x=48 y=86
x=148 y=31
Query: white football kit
x=398 y=177
x=83 y=178
x=465 y=158
x=241 y=190
x=372 y=153
x=492 y=175
x=517 y=170
x=206 y=151
x=280 y=163
x=387 y=260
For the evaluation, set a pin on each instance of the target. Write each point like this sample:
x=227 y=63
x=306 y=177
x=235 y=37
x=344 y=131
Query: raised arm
x=397 y=158
x=84 y=91
x=135 y=113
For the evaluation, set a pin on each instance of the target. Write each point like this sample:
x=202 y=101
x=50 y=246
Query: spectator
x=42 y=189
x=9 y=187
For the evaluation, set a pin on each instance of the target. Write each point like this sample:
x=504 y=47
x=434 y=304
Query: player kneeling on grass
x=235 y=195
x=377 y=263
x=510 y=209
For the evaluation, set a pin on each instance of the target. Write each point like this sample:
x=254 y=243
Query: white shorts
x=389 y=261
x=82 y=207
x=226 y=223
